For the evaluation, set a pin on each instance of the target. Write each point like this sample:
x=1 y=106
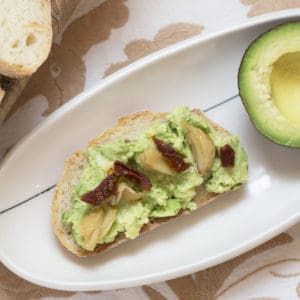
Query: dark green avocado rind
x=263 y=113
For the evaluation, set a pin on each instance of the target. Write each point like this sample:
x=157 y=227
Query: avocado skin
x=286 y=133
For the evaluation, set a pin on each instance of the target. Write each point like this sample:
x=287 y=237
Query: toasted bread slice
x=25 y=36
x=129 y=127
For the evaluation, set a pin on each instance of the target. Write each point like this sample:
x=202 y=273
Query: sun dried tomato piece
x=227 y=156
x=90 y=198
x=127 y=171
x=104 y=190
x=171 y=156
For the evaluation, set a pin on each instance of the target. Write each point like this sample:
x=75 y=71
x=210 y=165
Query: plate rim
x=161 y=276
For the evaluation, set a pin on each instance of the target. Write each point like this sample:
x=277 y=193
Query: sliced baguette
x=2 y=94
x=25 y=36
x=128 y=127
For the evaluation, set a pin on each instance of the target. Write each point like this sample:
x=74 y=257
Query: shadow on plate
x=165 y=232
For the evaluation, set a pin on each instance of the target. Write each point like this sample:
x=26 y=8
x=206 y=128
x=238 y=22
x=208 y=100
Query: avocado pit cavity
x=285 y=86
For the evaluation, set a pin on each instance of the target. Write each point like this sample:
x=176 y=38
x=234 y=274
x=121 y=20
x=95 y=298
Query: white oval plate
x=201 y=72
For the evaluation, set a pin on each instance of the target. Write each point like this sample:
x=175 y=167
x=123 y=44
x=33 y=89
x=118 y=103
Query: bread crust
x=129 y=126
x=21 y=68
x=2 y=94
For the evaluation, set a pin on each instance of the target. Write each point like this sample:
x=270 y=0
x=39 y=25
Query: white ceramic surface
x=200 y=72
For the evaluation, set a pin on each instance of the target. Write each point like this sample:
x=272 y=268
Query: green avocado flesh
x=269 y=84
x=169 y=194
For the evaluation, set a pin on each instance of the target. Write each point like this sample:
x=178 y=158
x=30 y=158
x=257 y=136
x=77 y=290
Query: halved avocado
x=269 y=84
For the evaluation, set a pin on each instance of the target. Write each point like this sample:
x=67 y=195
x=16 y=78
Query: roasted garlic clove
x=203 y=148
x=126 y=193
x=90 y=228
x=110 y=216
x=95 y=226
x=152 y=160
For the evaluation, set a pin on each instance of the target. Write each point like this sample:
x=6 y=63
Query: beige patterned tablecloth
x=94 y=40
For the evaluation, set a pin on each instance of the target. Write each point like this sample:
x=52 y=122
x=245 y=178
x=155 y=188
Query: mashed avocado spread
x=170 y=192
